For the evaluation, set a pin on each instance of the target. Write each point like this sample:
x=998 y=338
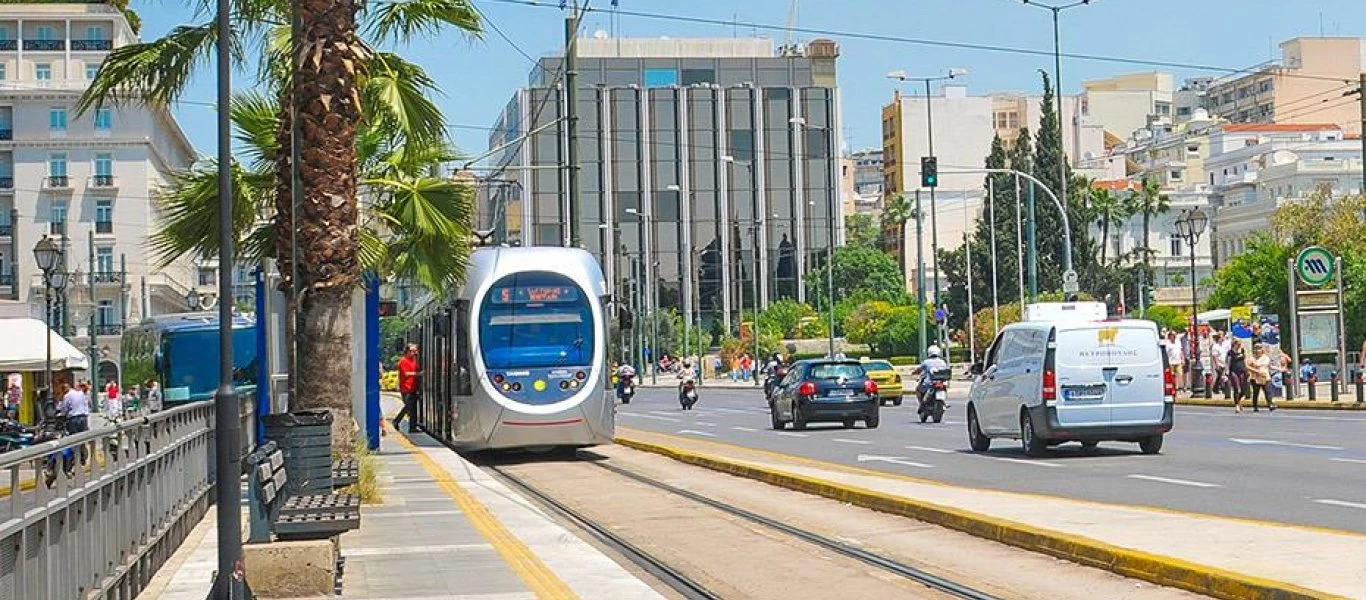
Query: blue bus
x=180 y=351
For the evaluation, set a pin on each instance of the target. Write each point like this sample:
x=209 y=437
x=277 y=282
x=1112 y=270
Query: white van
x=1050 y=382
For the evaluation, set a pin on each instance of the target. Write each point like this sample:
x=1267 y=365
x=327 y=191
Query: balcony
x=45 y=45
x=103 y=182
x=108 y=277
x=6 y=230
x=57 y=182
x=6 y=134
x=57 y=228
x=6 y=183
x=108 y=329
x=10 y=45
x=104 y=227
x=91 y=45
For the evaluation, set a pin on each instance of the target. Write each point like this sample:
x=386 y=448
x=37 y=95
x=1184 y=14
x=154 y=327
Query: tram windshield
x=535 y=320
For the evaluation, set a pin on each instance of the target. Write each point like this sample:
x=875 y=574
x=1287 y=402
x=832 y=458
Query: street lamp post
x=1190 y=226
x=901 y=76
x=644 y=221
x=799 y=123
x=47 y=254
x=1057 y=81
x=685 y=298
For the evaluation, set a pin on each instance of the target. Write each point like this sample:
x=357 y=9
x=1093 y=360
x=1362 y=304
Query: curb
x=1153 y=568
x=1286 y=404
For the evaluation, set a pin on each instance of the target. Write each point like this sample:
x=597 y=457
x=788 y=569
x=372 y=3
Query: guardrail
x=93 y=515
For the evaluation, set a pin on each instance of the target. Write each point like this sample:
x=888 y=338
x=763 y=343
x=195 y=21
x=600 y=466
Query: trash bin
x=305 y=438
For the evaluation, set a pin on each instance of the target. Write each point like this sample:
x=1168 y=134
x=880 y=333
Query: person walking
x=1218 y=358
x=1259 y=373
x=1237 y=373
x=153 y=395
x=75 y=405
x=407 y=386
x=1176 y=357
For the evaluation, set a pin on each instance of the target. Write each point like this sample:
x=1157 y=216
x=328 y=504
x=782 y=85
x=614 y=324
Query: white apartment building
x=1254 y=168
x=85 y=180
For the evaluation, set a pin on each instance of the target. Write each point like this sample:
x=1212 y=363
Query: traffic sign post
x=1317 y=313
x=1069 y=282
x=1315 y=266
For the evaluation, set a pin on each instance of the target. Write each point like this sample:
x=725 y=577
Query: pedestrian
x=1237 y=373
x=1218 y=357
x=75 y=405
x=111 y=390
x=153 y=395
x=407 y=386
x=14 y=394
x=1176 y=357
x=1259 y=372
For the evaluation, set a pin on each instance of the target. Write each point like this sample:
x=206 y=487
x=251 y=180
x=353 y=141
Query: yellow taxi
x=388 y=381
x=887 y=379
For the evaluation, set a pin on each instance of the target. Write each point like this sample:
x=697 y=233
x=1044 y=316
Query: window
x=57 y=217
x=104 y=216
x=56 y=165
x=655 y=78
x=94 y=33
x=207 y=275
x=106 y=314
x=1176 y=244
x=104 y=260
x=1193 y=149
x=1183 y=111
x=696 y=76
x=42 y=71
x=56 y=119
x=1163 y=108
x=44 y=33
x=104 y=165
x=104 y=119
x=2 y=71
x=91 y=71
x=1176 y=175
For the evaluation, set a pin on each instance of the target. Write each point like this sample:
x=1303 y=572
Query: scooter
x=14 y=435
x=775 y=375
x=627 y=389
x=934 y=397
x=687 y=393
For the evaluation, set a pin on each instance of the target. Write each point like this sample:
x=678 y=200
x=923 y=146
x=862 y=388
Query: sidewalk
x=1227 y=558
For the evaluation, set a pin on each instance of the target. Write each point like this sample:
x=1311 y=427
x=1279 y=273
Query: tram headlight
x=498 y=378
x=516 y=387
x=564 y=385
x=506 y=387
x=580 y=375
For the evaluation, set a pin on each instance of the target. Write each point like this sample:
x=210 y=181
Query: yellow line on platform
x=538 y=577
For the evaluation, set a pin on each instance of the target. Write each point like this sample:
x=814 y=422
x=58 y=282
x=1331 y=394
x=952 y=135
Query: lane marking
x=1254 y=442
x=1342 y=503
x=660 y=412
x=1357 y=461
x=1021 y=461
x=734 y=411
x=747 y=429
x=704 y=424
x=896 y=460
x=528 y=567
x=928 y=449
x=791 y=434
x=1185 y=482
x=644 y=416
x=849 y=441
x=701 y=433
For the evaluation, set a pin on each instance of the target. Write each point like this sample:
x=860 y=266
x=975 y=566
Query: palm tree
x=337 y=77
x=1149 y=202
x=896 y=211
x=1108 y=211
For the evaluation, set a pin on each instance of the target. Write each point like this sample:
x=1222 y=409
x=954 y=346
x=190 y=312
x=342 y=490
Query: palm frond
x=155 y=72
x=397 y=93
x=429 y=226
x=256 y=119
x=400 y=21
x=188 y=208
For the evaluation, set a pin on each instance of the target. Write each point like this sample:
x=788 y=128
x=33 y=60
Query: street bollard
x=1333 y=387
x=1313 y=387
x=1361 y=386
x=1209 y=385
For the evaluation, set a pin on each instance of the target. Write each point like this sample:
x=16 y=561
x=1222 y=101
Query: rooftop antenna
x=791 y=23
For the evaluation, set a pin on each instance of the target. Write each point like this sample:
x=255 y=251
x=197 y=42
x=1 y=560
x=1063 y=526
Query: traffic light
x=1149 y=297
x=929 y=171
x=624 y=318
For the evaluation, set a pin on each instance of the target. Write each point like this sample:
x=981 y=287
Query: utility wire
x=498 y=30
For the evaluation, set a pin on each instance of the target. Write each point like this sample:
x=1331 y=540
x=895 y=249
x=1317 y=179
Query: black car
x=835 y=391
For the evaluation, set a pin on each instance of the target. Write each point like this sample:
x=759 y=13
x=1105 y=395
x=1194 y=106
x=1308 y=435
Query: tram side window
x=464 y=382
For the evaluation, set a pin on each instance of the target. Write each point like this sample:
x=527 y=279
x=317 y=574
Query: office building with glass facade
x=697 y=151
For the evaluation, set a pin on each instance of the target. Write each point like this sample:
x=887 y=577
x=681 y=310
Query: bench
x=345 y=472
x=292 y=517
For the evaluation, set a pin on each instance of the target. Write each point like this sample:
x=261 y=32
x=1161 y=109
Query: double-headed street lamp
x=1057 y=80
x=48 y=256
x=901 y=76
x=1190 y=226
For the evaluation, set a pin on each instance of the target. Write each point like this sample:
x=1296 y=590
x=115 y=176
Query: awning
x=26 y=350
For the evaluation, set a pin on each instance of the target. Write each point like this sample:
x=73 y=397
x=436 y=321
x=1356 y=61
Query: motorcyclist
x=625 y=373
x=933 y=360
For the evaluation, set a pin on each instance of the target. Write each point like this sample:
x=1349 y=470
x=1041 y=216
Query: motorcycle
x=687 y=393
x=934 y=397
x=627 y=389
x=775 y=375
x=48 y=430
x=14 y=435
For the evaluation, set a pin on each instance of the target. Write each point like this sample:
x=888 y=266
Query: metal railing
x=109 y=329
x=6 y=183
x=102 y=181
x=108 y=276
x=9 y=45
x=79 y=45
x=58 y=181
x=93 y=515
x=47 y=45
x=6 y=230
x=6 y=134
x=104 y=227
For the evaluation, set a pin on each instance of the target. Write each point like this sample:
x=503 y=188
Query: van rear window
x=1105 y=346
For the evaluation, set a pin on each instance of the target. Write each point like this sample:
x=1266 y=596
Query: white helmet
x=933 y=352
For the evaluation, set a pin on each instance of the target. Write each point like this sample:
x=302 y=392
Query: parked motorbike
x=51 y=429
x=15 y=435
x=687 y=393
x=933 y=398
x=627 y=389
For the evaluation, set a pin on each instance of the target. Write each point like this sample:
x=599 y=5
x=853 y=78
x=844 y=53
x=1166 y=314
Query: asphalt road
x=1304 y=467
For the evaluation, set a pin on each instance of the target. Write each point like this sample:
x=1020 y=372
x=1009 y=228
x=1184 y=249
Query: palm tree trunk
x=329 y=270
x=1104 y=240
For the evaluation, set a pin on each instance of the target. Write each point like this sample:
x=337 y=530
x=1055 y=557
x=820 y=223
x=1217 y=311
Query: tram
x=516 y=357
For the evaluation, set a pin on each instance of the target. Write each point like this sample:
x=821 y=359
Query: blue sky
x=478 y=76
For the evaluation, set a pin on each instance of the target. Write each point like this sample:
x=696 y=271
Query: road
x=1302 y=468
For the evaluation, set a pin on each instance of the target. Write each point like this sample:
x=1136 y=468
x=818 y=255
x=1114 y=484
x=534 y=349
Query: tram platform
x=445 y=529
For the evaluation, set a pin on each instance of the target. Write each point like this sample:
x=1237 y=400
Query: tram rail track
x=690 y=588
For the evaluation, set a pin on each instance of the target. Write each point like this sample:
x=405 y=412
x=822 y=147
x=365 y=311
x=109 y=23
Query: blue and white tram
x=517 y=357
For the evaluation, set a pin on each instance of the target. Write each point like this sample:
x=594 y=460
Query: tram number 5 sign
x=1315 y=266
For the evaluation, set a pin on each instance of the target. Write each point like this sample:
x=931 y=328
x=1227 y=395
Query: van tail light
x=869 y=387
x=1168 y=384
x=1050 y=385
x=807 y=389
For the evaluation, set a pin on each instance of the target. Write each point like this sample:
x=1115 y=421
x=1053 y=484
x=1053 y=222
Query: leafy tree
x=792 y=320
x=1149 y=202
x=860 y=230
x=857 y=270
x=1258 y=276
x=1166 y=317
x=984 y=331
x=887 y=329
x=896 y=211
x=1107 y=211
x=393 y=332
